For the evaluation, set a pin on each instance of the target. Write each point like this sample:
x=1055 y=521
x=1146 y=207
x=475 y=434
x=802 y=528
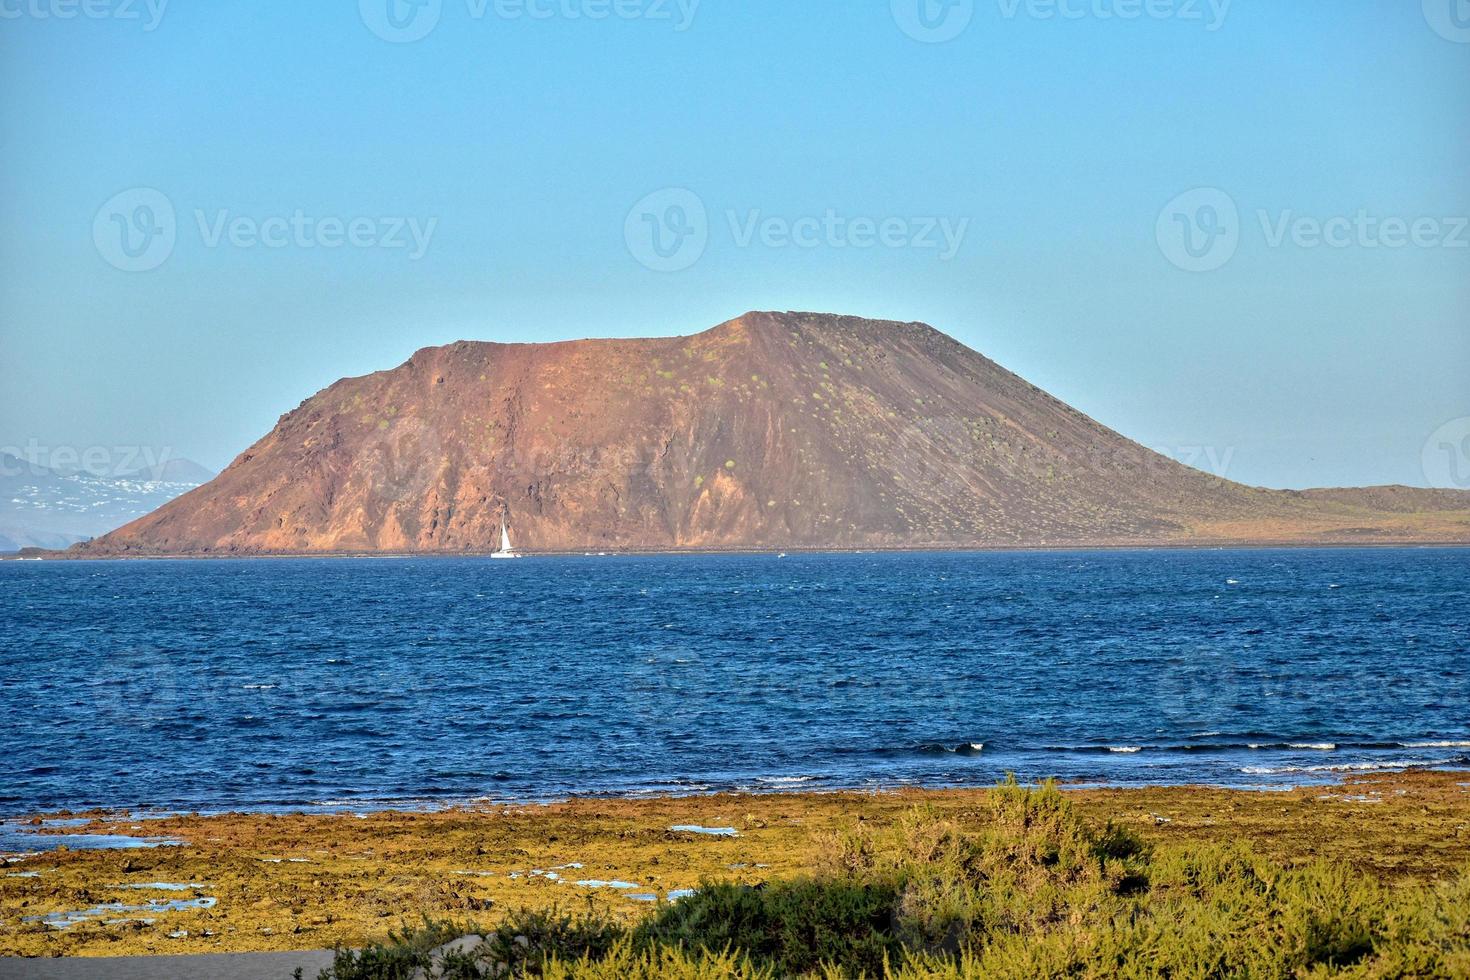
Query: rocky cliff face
x=769 y=431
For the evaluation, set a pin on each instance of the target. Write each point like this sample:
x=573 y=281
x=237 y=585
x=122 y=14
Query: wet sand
x=257 y=882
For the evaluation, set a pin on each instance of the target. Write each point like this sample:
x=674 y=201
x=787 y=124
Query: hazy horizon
x=183 y=268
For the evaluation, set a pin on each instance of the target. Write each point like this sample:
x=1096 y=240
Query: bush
x=405 y=952
x=1020 y=887
x=528 y=938
x=625 y=961
x=792 y=927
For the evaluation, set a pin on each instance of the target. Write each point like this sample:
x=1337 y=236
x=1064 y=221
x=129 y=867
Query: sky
x=1235 y=232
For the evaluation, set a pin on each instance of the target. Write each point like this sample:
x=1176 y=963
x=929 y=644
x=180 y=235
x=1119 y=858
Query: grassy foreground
x=1021 y=886
x=1366 y=878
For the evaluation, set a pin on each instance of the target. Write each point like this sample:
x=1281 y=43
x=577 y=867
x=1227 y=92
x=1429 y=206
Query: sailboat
x=506 y=551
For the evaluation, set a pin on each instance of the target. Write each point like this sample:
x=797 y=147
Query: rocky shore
x=260 y=882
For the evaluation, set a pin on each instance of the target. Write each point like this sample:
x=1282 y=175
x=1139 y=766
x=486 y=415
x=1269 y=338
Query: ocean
x=358 y=684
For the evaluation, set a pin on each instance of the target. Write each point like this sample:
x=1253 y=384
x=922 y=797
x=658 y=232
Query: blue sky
x=1052 y=140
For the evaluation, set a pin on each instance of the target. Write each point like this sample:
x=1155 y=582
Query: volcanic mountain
x=774 y=430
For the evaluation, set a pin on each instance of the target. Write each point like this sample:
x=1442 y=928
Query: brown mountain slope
x=769 y=431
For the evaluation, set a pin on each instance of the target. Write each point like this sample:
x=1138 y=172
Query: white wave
x=1319 y=746
x=1436 y=745
x=1346 y=767
x=1129 y=749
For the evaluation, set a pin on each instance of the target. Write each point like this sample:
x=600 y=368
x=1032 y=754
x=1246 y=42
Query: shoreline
x=36 y=554
x=781 y=786
x=251 y=882
x=1294 y=778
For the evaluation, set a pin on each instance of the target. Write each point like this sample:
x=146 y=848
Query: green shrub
x=626 y=962
x=790 y=926
x=406 y=951
x=1018 y=887
x=528 y=938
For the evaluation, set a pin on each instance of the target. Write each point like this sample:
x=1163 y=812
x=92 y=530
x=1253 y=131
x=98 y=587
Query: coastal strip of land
x=262 y=882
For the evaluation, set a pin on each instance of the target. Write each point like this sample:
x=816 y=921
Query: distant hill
x=773 y=430
x=42 y=507
x=178 y=471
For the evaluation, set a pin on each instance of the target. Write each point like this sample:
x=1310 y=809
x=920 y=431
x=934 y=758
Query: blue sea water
x=364 y=683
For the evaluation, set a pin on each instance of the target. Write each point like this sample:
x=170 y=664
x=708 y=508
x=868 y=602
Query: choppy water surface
x=362 y=683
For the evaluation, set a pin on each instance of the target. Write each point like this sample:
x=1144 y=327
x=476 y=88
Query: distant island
x=52 y=506
x=773 y=430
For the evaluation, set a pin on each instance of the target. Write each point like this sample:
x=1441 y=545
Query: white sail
x=506 y=551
